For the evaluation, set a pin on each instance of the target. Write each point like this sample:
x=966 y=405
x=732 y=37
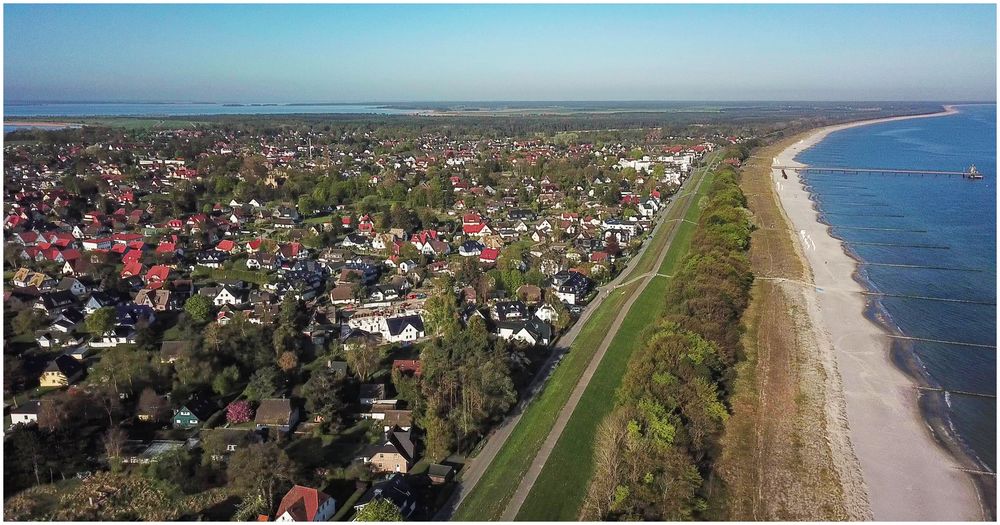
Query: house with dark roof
x=403 y=329
x=509 y=310
x=532 y=331
x=195 y=412
x=396 y=453
x=396 y=490
x=571 y=287
x=26 y=413
x=61 y=371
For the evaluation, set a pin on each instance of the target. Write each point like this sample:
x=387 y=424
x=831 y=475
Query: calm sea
x=92 y=109
x=945 y=222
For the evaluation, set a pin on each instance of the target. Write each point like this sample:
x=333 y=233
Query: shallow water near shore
x=944 y=225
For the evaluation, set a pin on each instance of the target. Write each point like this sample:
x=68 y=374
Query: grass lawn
x=321 y=219
x=561 y=487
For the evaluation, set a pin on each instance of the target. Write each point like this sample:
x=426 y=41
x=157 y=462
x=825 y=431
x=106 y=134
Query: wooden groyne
x=864 y=214
x=926 y=298
x=900 y=245
x=941 y=341
x=922 y=267
x=956 y=392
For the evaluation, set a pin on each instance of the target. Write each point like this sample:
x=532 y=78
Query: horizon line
x=492 y=101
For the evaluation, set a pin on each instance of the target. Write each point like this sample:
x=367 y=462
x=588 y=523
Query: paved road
x=474 y=468
x=567 y=411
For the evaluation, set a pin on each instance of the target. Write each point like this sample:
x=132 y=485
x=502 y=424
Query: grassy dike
x=489 y=498
x=561 y=487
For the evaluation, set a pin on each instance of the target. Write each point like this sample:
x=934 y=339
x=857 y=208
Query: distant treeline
x=672 y=119
x=653 y=451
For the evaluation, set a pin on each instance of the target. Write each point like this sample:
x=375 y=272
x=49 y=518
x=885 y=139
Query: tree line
x=653 y=450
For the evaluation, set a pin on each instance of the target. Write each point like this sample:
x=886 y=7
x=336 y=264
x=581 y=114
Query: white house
x=403 y=329
x=25 y=414
x=547 y=313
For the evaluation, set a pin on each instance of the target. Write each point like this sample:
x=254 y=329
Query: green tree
x=379 y=509
x=199 y=308
x=263 y=384
x=441 y=309
x=27 y=321
x=101 y=321
x=226 y=380
x=323 y=396
x=258 y=470
x=365 y=359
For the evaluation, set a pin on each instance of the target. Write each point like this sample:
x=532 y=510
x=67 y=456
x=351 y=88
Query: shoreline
x=907 y=458
x=42 y=124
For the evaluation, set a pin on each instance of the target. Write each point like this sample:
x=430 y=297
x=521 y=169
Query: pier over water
x=971 y=173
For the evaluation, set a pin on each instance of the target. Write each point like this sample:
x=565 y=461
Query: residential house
x=277 y=413
x=571 y=287
x=397 y=453
x=396 y=490
x=195 y=412
x=159 y=300
x=306 y=504
x=26 y=413
x=61 y=371
x=403 y=329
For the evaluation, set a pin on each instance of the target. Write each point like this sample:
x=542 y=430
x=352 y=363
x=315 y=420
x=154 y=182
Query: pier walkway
x=873 y=171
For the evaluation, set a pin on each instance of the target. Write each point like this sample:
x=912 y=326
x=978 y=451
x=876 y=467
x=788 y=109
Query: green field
x=561 y=487
x=490 y=497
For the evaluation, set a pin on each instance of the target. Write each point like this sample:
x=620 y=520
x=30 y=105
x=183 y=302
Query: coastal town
x=329 y=321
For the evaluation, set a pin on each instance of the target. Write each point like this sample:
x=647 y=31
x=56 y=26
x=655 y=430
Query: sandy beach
x=907 y=474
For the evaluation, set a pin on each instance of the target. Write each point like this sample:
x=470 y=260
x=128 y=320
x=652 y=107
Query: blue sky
x=356 y=53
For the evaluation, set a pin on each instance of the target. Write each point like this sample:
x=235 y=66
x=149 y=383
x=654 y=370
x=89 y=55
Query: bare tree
x=608 y=450
x=114 y=441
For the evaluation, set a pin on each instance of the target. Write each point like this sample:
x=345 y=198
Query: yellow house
x=62 y=371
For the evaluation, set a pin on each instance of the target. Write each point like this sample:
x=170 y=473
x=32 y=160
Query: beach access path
x=476 y=467
x=907 y=474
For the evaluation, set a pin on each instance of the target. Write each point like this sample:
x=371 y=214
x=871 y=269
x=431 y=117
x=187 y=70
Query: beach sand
x=907 y=474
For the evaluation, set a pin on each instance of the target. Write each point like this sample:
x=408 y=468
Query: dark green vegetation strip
x=562 y=485
x=650 y=456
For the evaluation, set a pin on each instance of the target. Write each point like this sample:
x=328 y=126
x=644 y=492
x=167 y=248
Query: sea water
x=944 y=221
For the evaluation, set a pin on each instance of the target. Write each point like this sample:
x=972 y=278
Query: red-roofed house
x=477 y=230
x=407 y=366
x=489 y=255
x=13 y=221
x=227 y=246
x=158 y=273
x=306 y=504
x=365 y=224
x=166 y=247
x=132 y=256
x=254 y=245
x=132 y=268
